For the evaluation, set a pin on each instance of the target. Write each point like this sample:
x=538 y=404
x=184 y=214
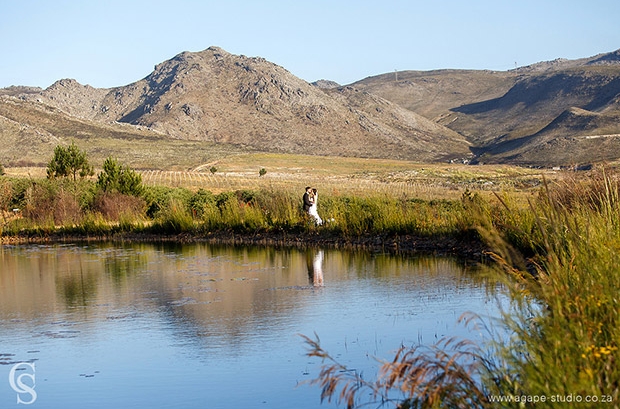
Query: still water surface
x=200 y=326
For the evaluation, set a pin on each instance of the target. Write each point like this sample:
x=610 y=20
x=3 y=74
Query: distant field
x=349 y=175
x=337 y=175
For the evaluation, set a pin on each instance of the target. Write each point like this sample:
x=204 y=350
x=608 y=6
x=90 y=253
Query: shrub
x=160 y=197
x=241 y=216
x=19 y=187
x=200 y=202
x=173 y=219
x=113 y=205
x=52 y=203
x=6 y=195
x=245 y=196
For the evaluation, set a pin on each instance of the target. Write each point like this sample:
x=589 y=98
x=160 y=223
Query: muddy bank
x=469 y=247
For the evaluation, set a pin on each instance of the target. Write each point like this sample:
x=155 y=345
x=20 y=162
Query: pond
x=203 y=326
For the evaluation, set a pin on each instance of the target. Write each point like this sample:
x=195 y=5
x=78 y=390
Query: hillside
x=551 y=113
x=218 y=97
x=433 y=93
x=29 y=131
x=198 y=105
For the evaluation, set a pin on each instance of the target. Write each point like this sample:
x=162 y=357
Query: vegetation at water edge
x=556 y=343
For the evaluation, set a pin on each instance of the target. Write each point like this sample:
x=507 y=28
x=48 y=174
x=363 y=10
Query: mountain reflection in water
x=160 y=325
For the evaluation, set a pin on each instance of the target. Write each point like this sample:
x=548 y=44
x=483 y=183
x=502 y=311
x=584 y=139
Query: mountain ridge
x=219 y=97
x=498 y=111
x=545 y=114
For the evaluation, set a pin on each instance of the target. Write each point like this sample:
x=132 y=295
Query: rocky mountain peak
x=15 y=90
x=606 y=59
x=326 y=84
x=216 y=96
x=72 y=97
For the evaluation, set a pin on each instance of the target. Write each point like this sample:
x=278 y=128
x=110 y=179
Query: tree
x=262 y=172
x=69 y=161
x=213 y=170
x=1 y=170
x=116 y=177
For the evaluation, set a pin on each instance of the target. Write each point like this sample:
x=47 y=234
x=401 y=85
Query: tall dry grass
x=557 y=343
x=573 y=335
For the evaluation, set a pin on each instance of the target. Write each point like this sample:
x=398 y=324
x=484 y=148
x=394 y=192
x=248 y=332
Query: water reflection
x=314 y=259
x=139 y=317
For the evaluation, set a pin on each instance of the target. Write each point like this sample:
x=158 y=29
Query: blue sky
x=115 y=42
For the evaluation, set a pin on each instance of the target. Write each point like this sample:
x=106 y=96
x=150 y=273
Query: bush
x=222 y=199
x=19 y=189
x=173 y=219
x=52 y=203
x=6 y=195
x=114 y=205
x=160 y=197
x=200 y=202
x=245 y=196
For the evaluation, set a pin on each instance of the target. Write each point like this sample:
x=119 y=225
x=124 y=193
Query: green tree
x=116 y=177
x=262 y=172
x=213 y=169
x=69 y=161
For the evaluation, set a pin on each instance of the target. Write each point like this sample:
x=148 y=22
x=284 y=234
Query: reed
x=93 y=224
x=558 y=340
x=572 y=342
x=172 y=219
